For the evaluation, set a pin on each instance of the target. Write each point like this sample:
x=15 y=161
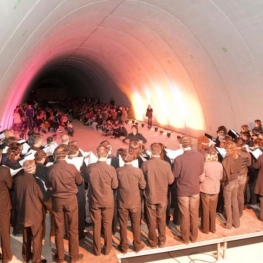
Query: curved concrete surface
x=197 y=62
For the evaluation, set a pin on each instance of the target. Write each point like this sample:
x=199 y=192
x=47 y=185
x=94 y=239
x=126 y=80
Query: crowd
x=135 y=183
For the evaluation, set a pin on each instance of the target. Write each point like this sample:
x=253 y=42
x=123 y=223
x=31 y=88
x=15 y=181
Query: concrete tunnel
x=199 y=63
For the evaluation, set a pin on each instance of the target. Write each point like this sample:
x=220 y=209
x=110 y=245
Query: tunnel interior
x=198 y=63
x=76 y=77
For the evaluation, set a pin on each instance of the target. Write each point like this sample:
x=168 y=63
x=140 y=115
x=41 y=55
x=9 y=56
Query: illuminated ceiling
x=197 y=62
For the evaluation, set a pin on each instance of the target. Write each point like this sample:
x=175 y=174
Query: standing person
x=63 y=179
x=158 y=175
x=131 y=180
x=209 y=189
x=149 y=115
x=17 y=120
x=13 y=156
x=73 y=153
x=259 y=183
x=242 y=176
x=6 y=182
x=102 y=180
x=30 y=115
x=41 y=177
x=30 y=212
x=187 y=170
x=232 y=164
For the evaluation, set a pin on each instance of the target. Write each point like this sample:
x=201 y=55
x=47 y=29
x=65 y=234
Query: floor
x=243 y=251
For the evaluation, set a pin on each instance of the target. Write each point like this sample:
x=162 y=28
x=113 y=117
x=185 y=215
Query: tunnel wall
x=197 y=62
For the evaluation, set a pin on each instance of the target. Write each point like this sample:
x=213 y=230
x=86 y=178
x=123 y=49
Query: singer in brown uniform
x=63 y=178
x=158 y=175
x=102 y=180
x=6 y=182
x=131 y=180
x=30 y=212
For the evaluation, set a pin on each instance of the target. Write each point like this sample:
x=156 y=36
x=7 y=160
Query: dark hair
x=127 y=155
x=156 y=149
x=13 y=150
x=39 y=155
x=102 y=151
x=73 y=149
x=50 y=140
x=60 y=152
x=135 y=126
x=222 y=128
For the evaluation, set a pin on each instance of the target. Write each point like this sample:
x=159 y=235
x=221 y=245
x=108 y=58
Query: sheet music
x=86 y=160
x=135 y=163
x=5 y=149
x=49 y=150
x=221 y=151
x=14 y=172
x=235 y=133
x=49 y=164
x=92 y=158
x=25 y=148
x=84 y=154
x=211 y=143
x=256 y=153
x=2 y=135
x=76 y=161
x=29 y=156
x=172 y=154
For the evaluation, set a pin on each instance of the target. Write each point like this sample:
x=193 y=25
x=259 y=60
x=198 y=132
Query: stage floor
x=89 y=139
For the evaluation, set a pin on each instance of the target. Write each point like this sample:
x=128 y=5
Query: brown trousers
x=242 y=179
x=104 y=217
x=208 y=219
x=156 y=219
x=231 y=204
x=189 y=208
x=261 y=207
x=135 y=215
x=32 y=236
x=5 y=236
x=67 y=208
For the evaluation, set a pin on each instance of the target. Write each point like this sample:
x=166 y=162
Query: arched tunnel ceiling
x=197 y=62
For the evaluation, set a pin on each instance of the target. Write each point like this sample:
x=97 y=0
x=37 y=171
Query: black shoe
x=121 y=250
x=55 y=258
x=82 y=236
x=140 y=248
x=78 y=258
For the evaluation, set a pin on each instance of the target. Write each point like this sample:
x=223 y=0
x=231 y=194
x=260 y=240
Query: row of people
x=155 y=175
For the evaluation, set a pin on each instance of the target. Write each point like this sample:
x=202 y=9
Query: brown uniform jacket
x=102 y=179
x=130 y=180
x=232 y=168
x=6 y=182
x=187 y=170
x=158 y=176
x=259 y=183
x=246 y=161
x=29 y=200
x=63 y=178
